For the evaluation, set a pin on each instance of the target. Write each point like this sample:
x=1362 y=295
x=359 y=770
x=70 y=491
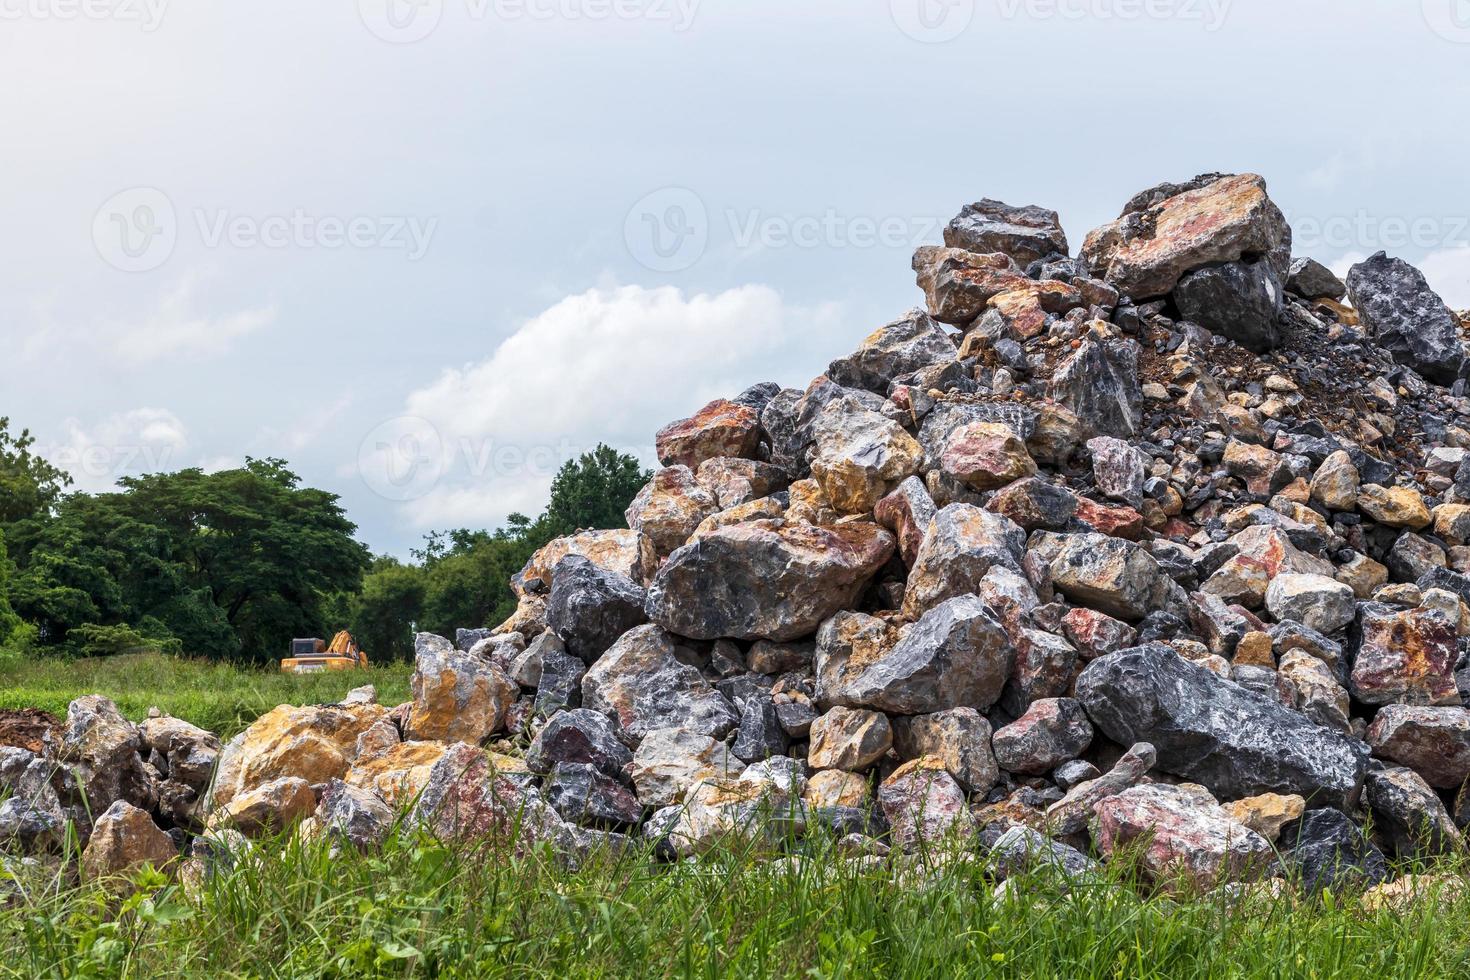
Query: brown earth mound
x=27 y=728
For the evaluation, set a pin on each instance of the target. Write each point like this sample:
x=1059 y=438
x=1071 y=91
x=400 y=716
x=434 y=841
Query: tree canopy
x=29 y=485
x=230 y=564
x=237 y=563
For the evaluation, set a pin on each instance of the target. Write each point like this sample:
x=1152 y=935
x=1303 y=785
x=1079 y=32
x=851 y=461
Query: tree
x=228 y=564
x=592 y=492
x=385 y=614
x=14 y=632
x=29 y=485
x=463 y=576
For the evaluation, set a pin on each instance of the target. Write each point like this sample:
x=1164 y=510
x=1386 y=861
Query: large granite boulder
x=961 y=545
x=590 y=607
x=956 y=656
x=1238 y=300
x=1189 y=842
x=1108 y=574
x=1099 y=384
x=1406 y=317
x=457 y=697
x=1025 y=234
x=766 y=579
x=1215 y=732
x=721 y=428
x=906 y=345
x=642 y=683
x=1144 y=254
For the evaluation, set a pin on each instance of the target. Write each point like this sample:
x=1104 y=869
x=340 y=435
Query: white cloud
x=218 y=464
x=311 y=426
x=609 y=365
x=174 y=329
x=143 y=440
x=1448 y=271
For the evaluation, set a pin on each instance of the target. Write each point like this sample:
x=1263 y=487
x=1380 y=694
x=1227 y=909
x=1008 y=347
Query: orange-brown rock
x=267 y=809
x=399 y=774
x=1145 y=254
x=123 y=839
x=721 y=428
x=314 y=743
x=456 y=697
x=626 y=552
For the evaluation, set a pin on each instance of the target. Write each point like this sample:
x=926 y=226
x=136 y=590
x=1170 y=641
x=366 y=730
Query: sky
x=428 y=250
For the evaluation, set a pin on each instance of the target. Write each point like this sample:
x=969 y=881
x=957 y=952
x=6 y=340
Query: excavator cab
x=312 y=655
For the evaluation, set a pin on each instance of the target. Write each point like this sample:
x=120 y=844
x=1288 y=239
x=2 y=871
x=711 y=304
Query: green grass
x=223 y=698
x=421 y=909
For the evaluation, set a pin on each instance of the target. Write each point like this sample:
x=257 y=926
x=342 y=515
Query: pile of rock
x=1165 y=544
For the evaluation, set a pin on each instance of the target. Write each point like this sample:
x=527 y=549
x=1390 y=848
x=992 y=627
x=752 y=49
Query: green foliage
x=219 y=696
x=422 y=908
x=223 y=565
x=233 y=565
x=592 y=492
x=15 y=633
x=383 y=615
x=92 y=640
x=29 y=486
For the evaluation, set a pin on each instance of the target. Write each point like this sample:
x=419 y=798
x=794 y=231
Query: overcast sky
x=427 y=249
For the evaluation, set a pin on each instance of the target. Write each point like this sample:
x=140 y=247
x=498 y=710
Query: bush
x=93 y=640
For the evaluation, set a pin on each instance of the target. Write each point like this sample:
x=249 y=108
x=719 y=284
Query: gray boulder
x=1328 y=851
x=766 y=579
x=643 y=684
x=1217 y=733
x=1108 y=574
x=1409 y=815
x=579 y=736
x=1408 y=319
x=1311 y=279
x=1238 y=300
x=956 y=656
x=1024 y=233
x=901 y=347
x=1099 y=383
x=591 y=607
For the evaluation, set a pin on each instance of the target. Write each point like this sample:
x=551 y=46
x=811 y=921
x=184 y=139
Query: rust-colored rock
x=987 y=456
x=123 y=839
x=399 y=774
x=457 y=697
x=313 y=743
x=1405 y=657
x=1145 y=254
x=267 y=809
x=625 y=551
x=670 y=508
x=721 y=428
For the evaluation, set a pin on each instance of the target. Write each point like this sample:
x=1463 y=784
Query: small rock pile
x=1162 y=547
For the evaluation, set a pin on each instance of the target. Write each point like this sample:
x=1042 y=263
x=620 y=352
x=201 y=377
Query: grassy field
x=421 y=909
x=220 y=697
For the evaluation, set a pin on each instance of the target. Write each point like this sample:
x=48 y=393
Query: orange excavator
x=312 y=656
